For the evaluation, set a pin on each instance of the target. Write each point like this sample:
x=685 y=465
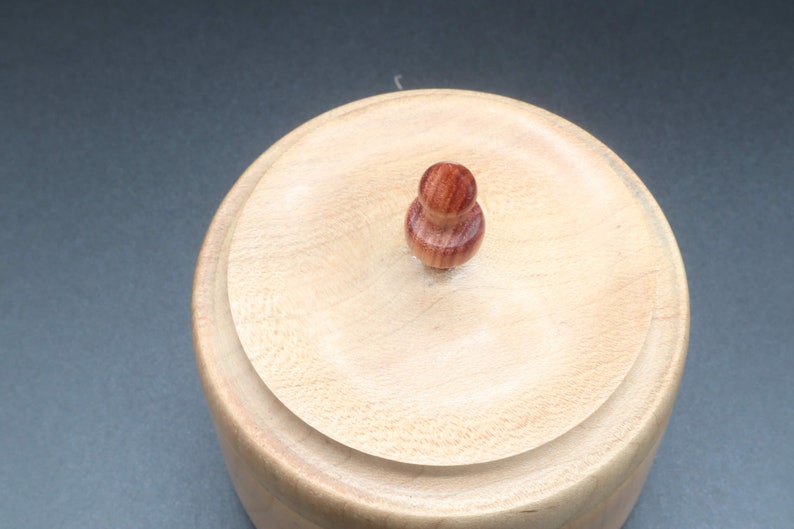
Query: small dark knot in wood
x=445 y=225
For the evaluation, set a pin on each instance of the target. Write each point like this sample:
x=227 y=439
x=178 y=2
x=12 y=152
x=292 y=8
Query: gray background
x=123 y=125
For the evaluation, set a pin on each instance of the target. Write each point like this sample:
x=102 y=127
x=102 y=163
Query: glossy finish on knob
x=444 y=226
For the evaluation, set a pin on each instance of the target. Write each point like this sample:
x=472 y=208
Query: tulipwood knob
x=444 y=225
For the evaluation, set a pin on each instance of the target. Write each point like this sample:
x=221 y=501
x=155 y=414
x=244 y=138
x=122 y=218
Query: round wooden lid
x=550 y=358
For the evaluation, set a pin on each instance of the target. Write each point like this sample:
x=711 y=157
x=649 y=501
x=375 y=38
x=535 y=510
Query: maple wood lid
x=352 y=375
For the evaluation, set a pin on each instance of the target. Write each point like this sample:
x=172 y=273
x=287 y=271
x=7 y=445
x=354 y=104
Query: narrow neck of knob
x=445 y=219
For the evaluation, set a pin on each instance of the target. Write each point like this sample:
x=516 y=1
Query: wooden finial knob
x=445 y=225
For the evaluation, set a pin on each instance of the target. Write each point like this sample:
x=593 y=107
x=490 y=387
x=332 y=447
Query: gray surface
x=122 y=127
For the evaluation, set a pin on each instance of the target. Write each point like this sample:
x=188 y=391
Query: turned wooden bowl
x=353 y=386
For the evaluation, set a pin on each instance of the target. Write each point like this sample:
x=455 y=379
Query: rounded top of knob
x=448 y=190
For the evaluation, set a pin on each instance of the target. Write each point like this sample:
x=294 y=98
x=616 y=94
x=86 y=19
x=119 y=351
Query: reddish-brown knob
x=445 y=225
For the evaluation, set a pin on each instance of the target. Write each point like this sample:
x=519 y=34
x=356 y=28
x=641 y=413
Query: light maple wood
x=353 y=387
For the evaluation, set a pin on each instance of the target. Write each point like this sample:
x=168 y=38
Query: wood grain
x=353 y=387
x=444 y=225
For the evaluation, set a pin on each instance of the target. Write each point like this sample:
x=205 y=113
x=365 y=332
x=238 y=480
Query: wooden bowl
x=351 y=386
